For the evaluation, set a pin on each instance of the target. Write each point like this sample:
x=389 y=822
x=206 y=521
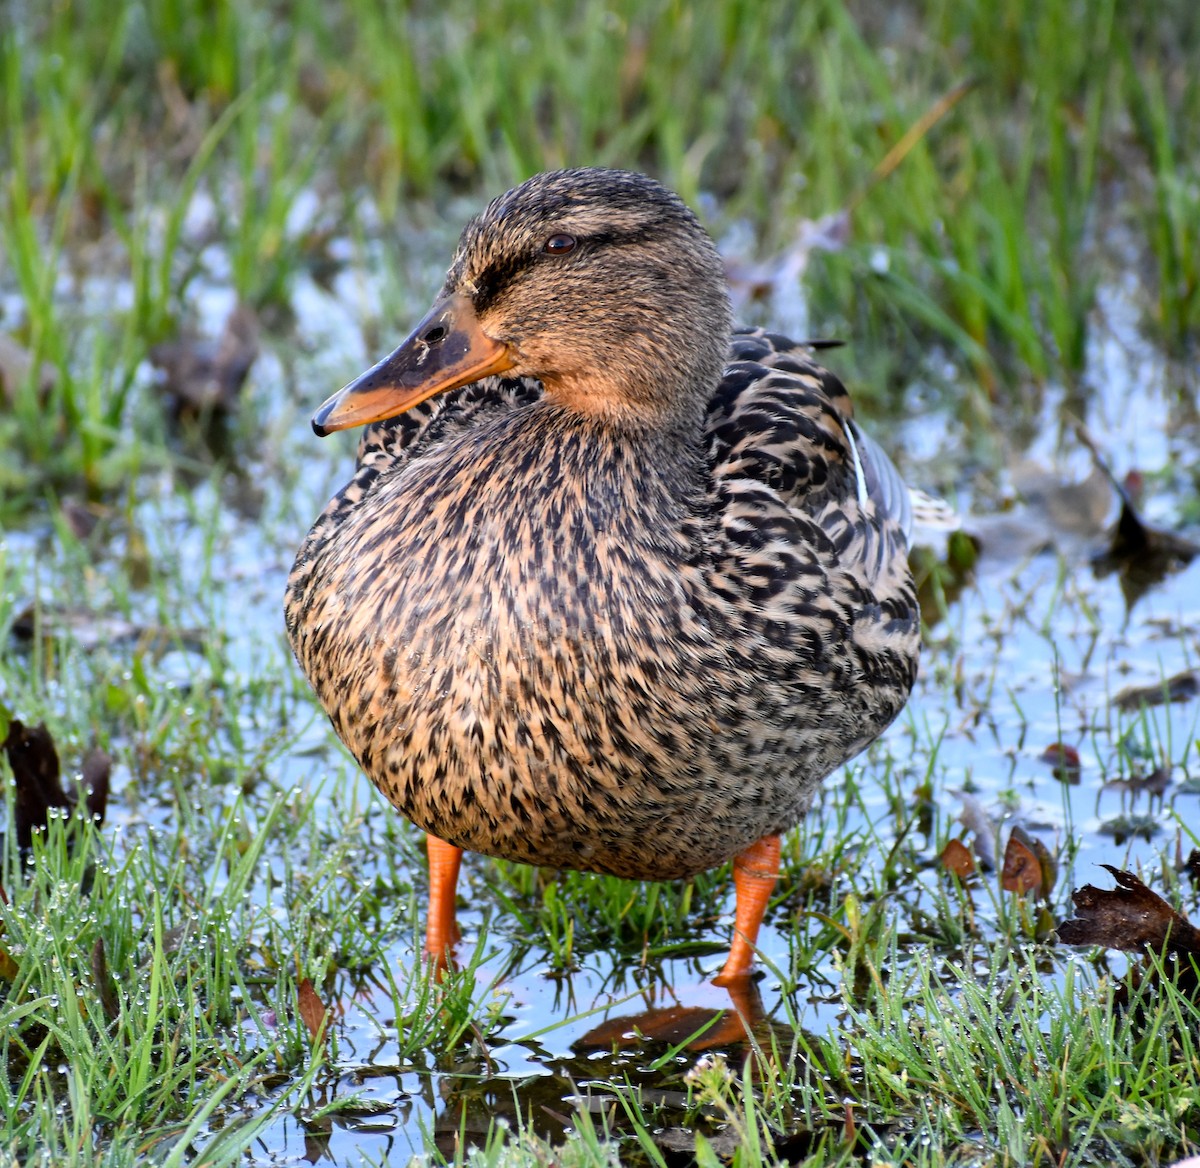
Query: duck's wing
x=880 y=479
x=781 y=420
x=441 y=417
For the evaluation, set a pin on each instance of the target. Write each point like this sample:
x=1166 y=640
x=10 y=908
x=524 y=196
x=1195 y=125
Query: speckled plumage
x=624 y=622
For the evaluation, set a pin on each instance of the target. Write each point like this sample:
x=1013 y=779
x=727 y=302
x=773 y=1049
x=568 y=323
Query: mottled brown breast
x=549 y=643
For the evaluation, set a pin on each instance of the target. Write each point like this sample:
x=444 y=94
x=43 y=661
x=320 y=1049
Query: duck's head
x=600 y=283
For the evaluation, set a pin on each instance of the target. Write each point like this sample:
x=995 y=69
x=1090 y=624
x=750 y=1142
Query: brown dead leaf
x=1130 y=917
x=1022 y=871
x=203 y=377
x=957 y=858
x=92 y=630
x=314 y=1013
x=37 y=781
x=35 y=768
x=1029 y=865
x=1064 y=759
x=1140 y=551
x=1154 y=784
x=1179 y=688
x=96 y=772
x=1141 y=555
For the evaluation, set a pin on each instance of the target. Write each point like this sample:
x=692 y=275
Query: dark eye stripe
x=559 y=244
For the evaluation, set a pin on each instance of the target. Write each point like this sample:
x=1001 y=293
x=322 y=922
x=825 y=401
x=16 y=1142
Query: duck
x=614 y=585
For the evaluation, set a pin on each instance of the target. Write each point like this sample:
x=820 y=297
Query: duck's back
x=547 y=654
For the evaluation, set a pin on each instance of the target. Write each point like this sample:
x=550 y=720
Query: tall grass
x=988 y=241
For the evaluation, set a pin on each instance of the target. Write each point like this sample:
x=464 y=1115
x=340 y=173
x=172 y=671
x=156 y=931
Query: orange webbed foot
x=755 y=872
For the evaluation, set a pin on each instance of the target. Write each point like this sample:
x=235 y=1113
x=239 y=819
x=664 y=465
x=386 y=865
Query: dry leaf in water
x=957 y=858
x=1064 y=759
x=36 y=779
x=1129 y=917
x=1179 y=688
x=35 y=768
x=1028 y=865
x=314 y=1013
x=1154 y=784
x=202 y=376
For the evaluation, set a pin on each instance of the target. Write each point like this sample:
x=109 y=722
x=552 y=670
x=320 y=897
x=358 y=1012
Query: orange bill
x=447 y=349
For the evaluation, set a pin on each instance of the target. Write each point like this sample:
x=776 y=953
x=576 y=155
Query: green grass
x=159 y=163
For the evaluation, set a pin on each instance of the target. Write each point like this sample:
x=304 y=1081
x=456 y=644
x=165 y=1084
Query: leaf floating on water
x=35 y=768
x=90 y=630
x=1139 y=549
x=1021 y=872
x=1130 y=917
x=1181 y=687
x=202 y=376
x=313 y=1012
x=38 y=785
x=956 y=858
x=1154 y=784
x=81 y=517
x=1140 y=554
x=96 y=772
x=1064 y=760
x=1028 y=865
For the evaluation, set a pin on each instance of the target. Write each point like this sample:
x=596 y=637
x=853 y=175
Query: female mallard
x=625 y=592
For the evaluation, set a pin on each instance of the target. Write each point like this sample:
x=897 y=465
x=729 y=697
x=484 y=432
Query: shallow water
x=1031 y=652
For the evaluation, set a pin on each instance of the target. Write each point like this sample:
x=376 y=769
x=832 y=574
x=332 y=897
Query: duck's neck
x=664 y=419
x=665 y=444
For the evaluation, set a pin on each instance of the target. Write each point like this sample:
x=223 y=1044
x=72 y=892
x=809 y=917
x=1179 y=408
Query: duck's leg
x=441 y=930
x=754 y=874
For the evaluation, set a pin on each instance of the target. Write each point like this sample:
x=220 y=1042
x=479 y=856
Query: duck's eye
x=559 y=244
